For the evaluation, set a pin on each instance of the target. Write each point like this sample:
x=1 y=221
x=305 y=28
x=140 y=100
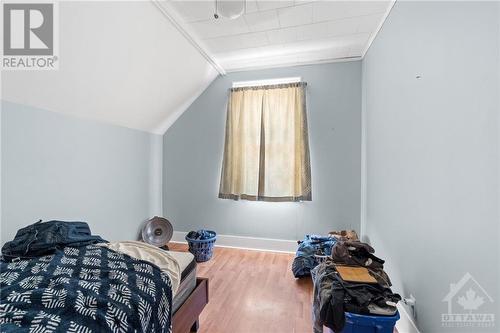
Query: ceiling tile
x=334 y=10
x=282 y=36
x=325 y=44
x=328 y=29
x=297 y=15
x=260 y=21
x=270 y=4
x=301 y=2
x=343 y=27
x=251 y=6
x=244 y=41
x=220 y=27
x=312 y=31
x=331 y=10
x=278 y=32
x=359 y=8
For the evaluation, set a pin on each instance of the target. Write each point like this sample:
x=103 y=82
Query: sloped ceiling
x=122 y=63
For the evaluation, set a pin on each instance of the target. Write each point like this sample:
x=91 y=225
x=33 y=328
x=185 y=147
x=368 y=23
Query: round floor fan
x=157 y=231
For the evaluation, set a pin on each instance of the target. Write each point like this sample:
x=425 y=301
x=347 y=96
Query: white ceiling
x=277 y=33
x=120 y=62
x=140 y=64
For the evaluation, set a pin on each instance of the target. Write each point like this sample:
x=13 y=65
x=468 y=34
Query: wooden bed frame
x=186 y=318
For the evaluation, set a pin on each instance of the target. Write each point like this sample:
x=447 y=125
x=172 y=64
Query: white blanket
x=142 y=251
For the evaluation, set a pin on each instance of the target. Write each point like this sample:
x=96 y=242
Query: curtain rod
x=268 y=82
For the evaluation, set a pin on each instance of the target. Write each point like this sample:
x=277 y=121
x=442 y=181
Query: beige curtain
x=266 y=153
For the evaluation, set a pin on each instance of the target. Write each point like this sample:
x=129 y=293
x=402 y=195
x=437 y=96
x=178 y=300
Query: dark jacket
x=43 y=238
x=356 y=253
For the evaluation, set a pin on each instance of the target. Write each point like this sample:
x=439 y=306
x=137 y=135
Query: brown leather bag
x=344 y=234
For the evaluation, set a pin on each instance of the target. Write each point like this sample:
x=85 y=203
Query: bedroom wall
x=432 y=153
x=193 y=149
x=67 y=168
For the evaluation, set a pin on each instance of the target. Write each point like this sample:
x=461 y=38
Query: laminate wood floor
x=253 y=292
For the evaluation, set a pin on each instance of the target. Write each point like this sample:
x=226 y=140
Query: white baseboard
x=247 y=243
x=405 y=324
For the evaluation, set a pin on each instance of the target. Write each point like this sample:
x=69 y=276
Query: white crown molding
x=170 y=14
x=375 y=34
x=294 y=64
x=246 y=243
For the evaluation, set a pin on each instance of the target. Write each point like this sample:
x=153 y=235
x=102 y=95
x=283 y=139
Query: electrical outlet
x=411 y=302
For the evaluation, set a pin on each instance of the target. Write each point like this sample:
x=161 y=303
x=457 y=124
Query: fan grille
x=157 y=231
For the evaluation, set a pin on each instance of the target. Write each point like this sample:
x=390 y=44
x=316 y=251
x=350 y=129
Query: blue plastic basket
x=356 y=323
x=202 y=249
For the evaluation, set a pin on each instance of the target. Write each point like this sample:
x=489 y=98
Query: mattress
x=180 y=266
x=188 y=277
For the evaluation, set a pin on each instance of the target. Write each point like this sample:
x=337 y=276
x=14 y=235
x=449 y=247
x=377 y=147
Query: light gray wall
x=60 y=167
x=432 y=151
x=193 y=149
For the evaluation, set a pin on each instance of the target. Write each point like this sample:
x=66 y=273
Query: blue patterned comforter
x=85 y=289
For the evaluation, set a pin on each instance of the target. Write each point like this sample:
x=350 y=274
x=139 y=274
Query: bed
x=97 y=289
x=191 y=296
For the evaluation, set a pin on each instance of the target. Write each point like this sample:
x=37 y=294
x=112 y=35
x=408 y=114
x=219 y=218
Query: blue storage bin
x=202 y=249
x=356 y=323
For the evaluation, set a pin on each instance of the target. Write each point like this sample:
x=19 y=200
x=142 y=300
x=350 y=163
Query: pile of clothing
x=334 y=294
x=310 y=250
x=314 y=248
x=201 y=234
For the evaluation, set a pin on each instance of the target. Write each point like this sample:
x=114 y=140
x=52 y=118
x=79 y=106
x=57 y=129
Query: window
x=266 y=152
